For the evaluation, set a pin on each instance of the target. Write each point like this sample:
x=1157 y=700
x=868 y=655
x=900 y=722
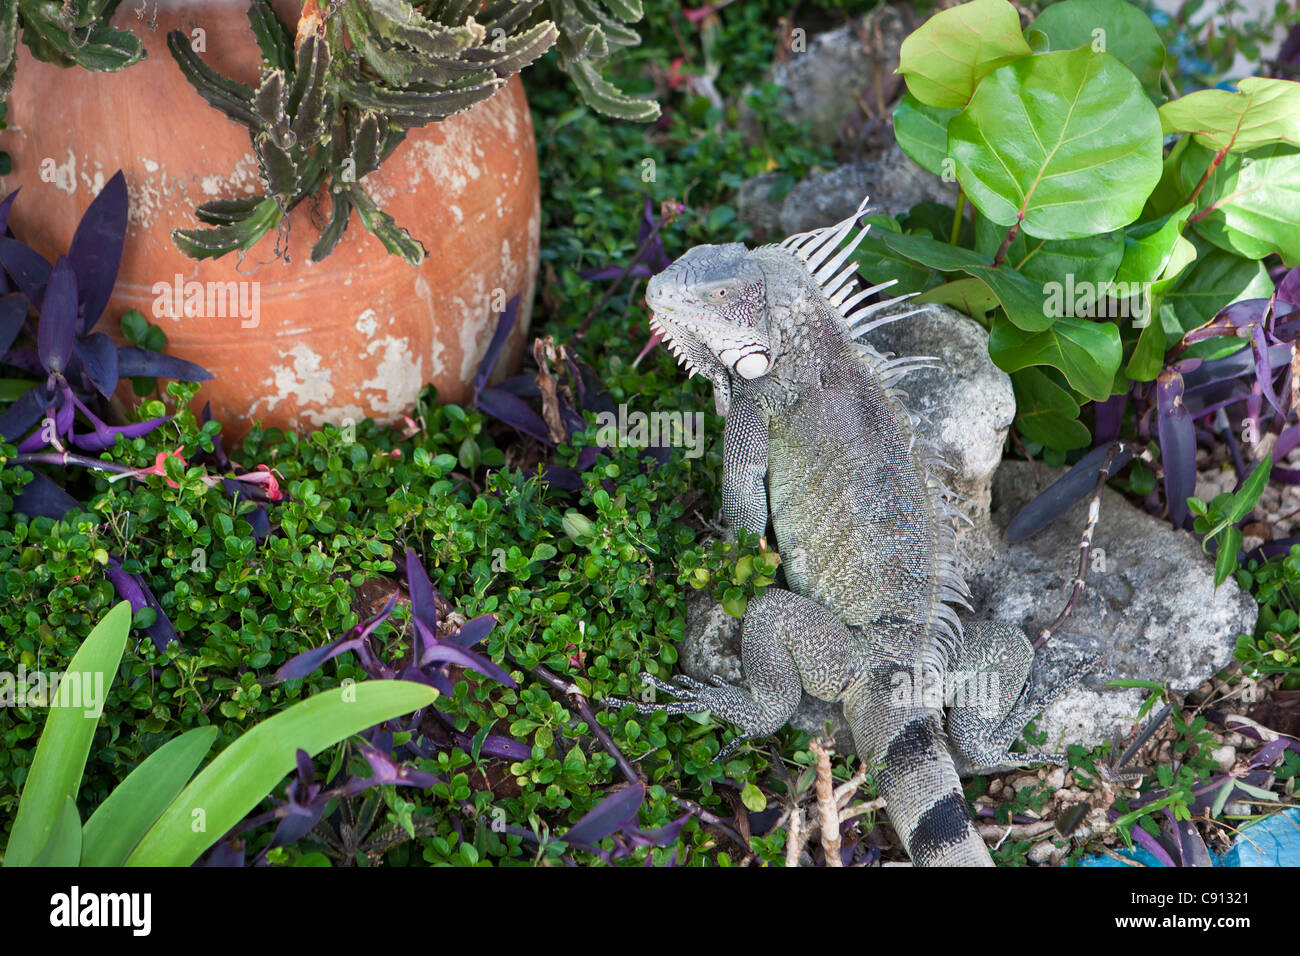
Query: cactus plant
x=335 y=101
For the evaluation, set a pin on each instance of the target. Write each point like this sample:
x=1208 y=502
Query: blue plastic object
x=1273 y=841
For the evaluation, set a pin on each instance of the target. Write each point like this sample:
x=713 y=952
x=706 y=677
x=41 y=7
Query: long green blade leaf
x=246 y=771
x=130 y=810
x=65 y=742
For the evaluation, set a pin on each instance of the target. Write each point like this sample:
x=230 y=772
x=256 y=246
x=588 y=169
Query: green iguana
x=818 y=440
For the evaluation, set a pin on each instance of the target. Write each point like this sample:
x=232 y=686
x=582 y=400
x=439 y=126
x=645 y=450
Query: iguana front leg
x=744 y=467
x=789 y=643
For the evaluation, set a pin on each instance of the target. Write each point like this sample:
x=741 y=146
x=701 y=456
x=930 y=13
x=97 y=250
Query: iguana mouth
x=747 y=359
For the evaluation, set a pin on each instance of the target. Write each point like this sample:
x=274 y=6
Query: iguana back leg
x=992 y=699
x=780 y=628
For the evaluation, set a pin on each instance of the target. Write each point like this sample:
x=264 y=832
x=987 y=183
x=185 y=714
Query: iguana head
x=711 y=308
x=729 y=311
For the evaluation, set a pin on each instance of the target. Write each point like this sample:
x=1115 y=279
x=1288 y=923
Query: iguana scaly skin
x=817 y=439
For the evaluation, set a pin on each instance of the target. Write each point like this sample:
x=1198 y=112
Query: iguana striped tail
x=915 y=774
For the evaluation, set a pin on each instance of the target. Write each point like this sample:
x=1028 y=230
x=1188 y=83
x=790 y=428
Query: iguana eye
x=718 y=293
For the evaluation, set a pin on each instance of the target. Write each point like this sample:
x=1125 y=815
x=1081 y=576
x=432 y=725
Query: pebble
x=1224 y=757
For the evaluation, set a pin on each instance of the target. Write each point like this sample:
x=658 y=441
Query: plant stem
x=1009 y=238
x=956 y=219
x=68 y=458
x=1209 y=171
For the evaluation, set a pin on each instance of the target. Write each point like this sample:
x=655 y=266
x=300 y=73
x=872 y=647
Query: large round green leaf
x=946 y=57
x=1067 y=142
x=1262 y=111
x=1110 y=26
x=922 y=133
x=1251 y=204
x=1087 y=353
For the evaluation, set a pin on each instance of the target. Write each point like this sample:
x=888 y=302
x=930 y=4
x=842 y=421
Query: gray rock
x=832 y=74
x=894 y=183
x=1150 y=604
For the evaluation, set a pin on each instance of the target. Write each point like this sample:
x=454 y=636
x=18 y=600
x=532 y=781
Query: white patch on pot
x=456 y=211
x=316 y=417
x=436 y=348
x=450 y=163
x=65 y=176
x=95 y=184
x=211 y=185
x=476 y=319
x=368 y=323
x=308 y=380
x=398 y=376
x=149 y=165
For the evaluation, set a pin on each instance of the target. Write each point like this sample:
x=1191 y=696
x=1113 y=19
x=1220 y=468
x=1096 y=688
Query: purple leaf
x=96 y=250
x=1288 y=290
x=307 y=662
x=1109 y=416
x=471 y=632
x=1177 y=445
x=131 y=587
x=611 y=814
x=449 y=653
x=5 y=206
x=98 y=354
x=133 y=362
x=1150 y=843
x=507 y=408
x=13 y=313
x=1263 y=368
x=1071 y=488
x=502 y=748
x=105 y=436
x=57 y=330
x=1192 y=850
x=424 y=609
x=505 y=325
x=42 y=498
x=557 y=476
x=388 y=770
x=29 y=270
x=25 y=412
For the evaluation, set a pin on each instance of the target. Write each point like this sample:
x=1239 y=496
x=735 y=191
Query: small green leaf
x=1225 y=562
x=754 y=799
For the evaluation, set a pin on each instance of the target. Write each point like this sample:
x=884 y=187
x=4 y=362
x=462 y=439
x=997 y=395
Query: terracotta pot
x=356 y=335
